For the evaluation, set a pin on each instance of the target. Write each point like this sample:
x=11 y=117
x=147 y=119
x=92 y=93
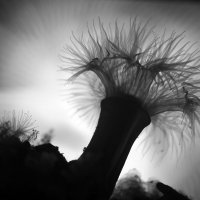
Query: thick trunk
x=121 y=120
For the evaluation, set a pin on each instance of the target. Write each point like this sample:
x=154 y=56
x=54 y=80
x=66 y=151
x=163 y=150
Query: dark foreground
x=42 y=172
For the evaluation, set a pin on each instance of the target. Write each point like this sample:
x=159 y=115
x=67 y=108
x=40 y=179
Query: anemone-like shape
x=162 y=72
x=19 y=125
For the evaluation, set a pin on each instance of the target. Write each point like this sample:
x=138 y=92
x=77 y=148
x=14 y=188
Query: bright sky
x=32 y=34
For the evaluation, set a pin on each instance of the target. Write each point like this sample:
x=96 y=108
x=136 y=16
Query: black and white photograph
x=100 y=99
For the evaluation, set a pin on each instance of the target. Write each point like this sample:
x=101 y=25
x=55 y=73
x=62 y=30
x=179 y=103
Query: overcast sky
x=32 y=34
